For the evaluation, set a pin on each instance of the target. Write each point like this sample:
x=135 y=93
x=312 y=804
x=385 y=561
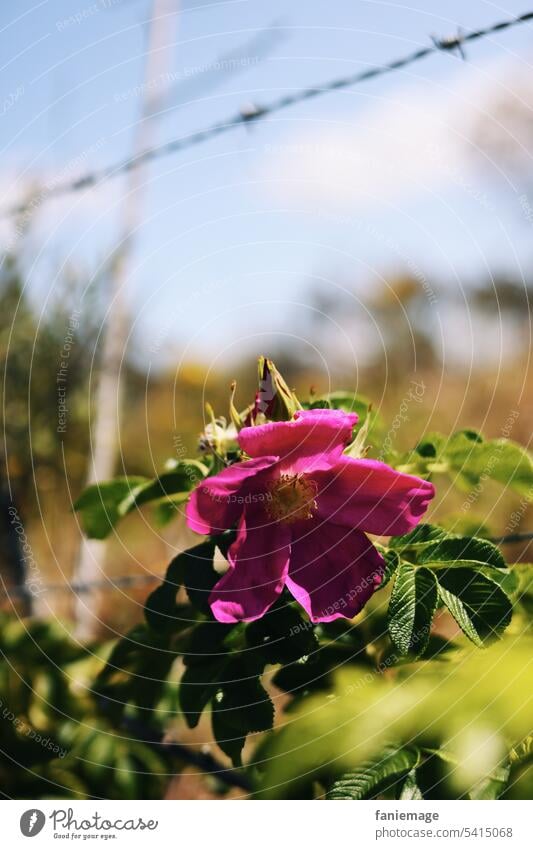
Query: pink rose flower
x=301 y=508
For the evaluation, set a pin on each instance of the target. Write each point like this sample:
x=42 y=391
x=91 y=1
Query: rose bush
x=314 y=559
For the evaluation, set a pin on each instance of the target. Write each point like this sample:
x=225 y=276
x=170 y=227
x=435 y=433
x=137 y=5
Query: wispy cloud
x=419 y=138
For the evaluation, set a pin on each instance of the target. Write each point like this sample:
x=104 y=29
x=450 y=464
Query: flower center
x=291 y=497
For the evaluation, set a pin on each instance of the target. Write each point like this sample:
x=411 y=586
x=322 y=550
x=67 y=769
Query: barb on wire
x=451 y=42
x=256 y=112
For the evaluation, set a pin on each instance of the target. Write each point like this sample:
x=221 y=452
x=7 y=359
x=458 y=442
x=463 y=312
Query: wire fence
x=254 y=113
x=112 y=583
x=76 y=587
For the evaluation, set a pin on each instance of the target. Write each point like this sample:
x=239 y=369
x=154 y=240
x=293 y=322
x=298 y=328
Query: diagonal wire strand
x=112 y=583
x=257 y=112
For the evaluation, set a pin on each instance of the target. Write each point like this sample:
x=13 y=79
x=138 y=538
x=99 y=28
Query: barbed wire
x=246 y=116
x=256 y=112
x=23 y=591
x=512 y=538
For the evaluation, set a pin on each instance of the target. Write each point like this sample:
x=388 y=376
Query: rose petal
x=314 y=439
x=333 y=571
x=259 y=561
x=216 y=503
x=370 y=495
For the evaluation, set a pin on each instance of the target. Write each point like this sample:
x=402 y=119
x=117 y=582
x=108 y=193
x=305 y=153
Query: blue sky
x=340 y=190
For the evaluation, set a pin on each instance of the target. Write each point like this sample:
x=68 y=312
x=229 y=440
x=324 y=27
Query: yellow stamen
x=292 y=497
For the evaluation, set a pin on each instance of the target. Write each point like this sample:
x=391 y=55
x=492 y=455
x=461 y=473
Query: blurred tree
x=403 y=312
x=37 y=452
x=395 y=319
x=53 y=741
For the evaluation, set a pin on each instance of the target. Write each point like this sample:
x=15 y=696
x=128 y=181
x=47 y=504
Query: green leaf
x=103 y=504
x=282 y=635
x=426 y=703
x=306 y=676
x=350 y=402
x=321 y=404
x=99 y=505
x=410 y=790
x=200 y=576
x=412 y=606
x=125 y=776
x=436 y=548
x=241 y=706
x=463 y=437
x=183 y=477
x=501 y=460
x=462 y=550
x=431 y=445
x=493 y=786
x=363 y=783
x=198 y=685
x=392 y=564
x=136 y=671
x=419 y=538
x=470 y=460
x=479 y=606
x=160 y=609
x=205 y=662
x=524 y=574
x=207 y=640
x=165 y=511
x=507 y=579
